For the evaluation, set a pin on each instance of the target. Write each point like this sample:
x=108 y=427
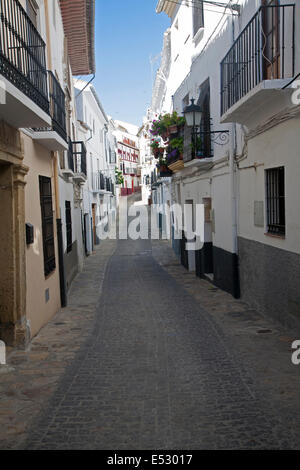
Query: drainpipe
x=54 y=156
x=233 y=189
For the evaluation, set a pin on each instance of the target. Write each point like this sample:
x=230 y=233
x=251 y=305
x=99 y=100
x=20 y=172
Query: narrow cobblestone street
x=147 y=356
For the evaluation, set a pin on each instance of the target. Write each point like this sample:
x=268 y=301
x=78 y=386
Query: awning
x=79 y=26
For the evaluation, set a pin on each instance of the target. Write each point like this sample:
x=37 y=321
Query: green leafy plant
x=154 y=144
x=119 y=176
x=176 y=144
x=197 y=144
x=161 y=125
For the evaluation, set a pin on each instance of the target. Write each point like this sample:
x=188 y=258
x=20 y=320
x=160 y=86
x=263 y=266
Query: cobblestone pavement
x=165 y=361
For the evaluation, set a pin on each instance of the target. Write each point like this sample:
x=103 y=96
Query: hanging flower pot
x=161 y=150
x=165 y=135
x=173 y=129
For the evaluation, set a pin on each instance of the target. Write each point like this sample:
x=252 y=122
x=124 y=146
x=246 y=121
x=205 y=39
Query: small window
x=69 y=226
x=47 y=224
x=198 y=17
x=275 y=194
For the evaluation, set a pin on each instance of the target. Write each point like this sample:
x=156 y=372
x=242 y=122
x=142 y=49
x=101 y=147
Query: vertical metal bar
x=282 y=36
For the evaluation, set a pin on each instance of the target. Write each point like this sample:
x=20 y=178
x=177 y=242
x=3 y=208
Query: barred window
x=69 y=226
x=275 y=189
x=47 y=224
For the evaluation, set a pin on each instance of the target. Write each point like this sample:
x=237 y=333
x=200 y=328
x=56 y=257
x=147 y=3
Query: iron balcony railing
x=264 y=50
x=98 y=181
x=57 y=108
x=203 y=143
x=77 y=157
x=108 y=184
x=70 y=156
x=22 y=53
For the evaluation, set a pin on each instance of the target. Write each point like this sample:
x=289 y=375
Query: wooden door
x=271 y=39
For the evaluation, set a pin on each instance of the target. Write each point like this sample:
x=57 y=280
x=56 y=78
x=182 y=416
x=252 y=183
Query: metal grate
x=47 y=224
x=57 y=108
x=69 y=226
x=264 y=50
x=22 y=53
x=275 y=187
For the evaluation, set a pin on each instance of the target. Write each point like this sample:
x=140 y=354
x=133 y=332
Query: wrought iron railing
x=79 y=156
x=265 y=49
x=57 y=108
x=22 y=53
x=98 y=181
x=70 y=156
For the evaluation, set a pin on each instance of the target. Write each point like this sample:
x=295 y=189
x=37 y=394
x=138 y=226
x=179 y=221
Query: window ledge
x=273 y=235
x=198 y=36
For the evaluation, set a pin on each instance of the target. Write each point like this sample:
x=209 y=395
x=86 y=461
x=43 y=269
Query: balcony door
x=271 y=39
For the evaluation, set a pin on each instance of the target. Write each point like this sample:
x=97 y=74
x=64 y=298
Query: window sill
x=272 y=235
x=198 y=36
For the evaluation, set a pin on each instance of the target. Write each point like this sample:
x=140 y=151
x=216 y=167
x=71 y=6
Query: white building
x=245 y=172
x=39 y=246
x=95 y=130
x=128 y=157
x=147 y=160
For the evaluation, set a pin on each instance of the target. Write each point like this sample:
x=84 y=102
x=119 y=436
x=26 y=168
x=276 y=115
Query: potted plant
x=176 y=122
x=162 y=167
x=177 y=144
x=197 y=147
x=155 y=147
x=119 y=176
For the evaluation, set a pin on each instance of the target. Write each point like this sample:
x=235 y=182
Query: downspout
x=54 y=156
x=233 y=152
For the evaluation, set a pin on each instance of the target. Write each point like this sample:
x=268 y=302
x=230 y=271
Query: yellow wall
x=38 y=312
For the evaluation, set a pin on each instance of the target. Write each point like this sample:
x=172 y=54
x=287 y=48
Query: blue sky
x=128 y=32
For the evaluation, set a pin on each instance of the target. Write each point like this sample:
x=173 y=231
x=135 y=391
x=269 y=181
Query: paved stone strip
x=33 y=375
x=156 y=372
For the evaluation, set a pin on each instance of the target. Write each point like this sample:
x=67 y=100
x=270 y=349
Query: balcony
x=98 y=183
x=258 y=65
x=76 y=162
x=102 y=184
x=79 y=159
x=200 y=150
x=175 y=162
x=54 y=137
x=22 y=69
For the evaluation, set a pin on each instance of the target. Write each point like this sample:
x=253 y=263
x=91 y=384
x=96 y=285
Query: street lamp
x=193 y=114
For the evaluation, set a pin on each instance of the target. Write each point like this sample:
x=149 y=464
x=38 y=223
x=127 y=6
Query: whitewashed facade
x=96 y=129
x=251 y=233
x=128 y=157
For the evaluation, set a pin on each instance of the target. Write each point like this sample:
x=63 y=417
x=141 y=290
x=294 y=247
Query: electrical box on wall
x=29 y=234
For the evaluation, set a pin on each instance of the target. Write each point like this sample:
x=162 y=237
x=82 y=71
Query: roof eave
x=166 y=6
